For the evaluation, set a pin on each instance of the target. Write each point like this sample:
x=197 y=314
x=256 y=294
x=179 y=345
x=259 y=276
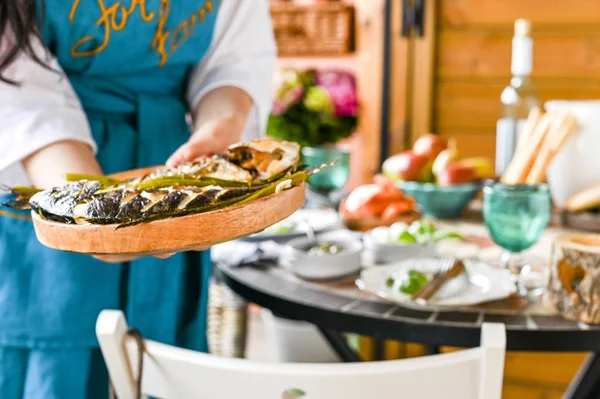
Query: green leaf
x=445 y=235
x=105 y=180
x=296 y=179
x=422 y=227
x=295 y=393
x=22 y=190
x=406 y=238
x=413 y=282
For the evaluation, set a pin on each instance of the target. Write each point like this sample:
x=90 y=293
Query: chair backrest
x=175 y=373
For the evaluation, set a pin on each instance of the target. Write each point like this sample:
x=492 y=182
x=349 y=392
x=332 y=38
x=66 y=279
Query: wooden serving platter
x=191 y=232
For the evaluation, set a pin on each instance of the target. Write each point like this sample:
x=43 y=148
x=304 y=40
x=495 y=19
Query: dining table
x=338 y=307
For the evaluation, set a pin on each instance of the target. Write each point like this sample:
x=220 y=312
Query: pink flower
x=341 y=86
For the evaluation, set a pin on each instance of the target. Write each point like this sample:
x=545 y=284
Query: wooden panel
x=424 y=68
x=488 y=54
x=474 y=107
x=472 y=145
x=399 y=71
x=461 y=13
x=369 y=35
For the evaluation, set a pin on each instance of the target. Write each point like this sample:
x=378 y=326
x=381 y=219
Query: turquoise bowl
x=441 y=202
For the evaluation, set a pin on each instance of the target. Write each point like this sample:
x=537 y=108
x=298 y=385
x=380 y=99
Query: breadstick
x=524 y=159
x=563 y=128
x=512 y=171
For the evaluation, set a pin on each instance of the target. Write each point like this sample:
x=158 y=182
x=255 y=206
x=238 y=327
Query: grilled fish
x=217 y=167
x=265 y=158
x=247 y=172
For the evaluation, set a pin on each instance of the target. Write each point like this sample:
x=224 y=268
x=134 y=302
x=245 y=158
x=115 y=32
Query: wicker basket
x=320 y=29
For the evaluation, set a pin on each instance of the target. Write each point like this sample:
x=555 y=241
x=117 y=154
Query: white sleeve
x=242 y=54
x=41 y=110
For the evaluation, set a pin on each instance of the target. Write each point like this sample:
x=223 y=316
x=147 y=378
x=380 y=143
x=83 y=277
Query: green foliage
x=309 y=128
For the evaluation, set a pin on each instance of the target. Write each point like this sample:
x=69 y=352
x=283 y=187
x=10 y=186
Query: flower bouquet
x=317 y=109
x=314 y=108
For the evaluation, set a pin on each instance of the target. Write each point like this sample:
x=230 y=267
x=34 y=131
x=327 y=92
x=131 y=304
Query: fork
x=447 y=268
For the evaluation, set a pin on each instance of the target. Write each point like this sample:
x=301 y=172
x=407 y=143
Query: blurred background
x=438 y=66
x=390 y=71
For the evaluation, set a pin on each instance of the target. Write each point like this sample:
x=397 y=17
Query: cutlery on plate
x=448 y=268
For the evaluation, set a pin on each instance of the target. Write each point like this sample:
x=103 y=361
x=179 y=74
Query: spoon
x=310 y=233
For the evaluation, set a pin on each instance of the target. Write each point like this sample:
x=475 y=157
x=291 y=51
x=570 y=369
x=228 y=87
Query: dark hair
x=21 y=19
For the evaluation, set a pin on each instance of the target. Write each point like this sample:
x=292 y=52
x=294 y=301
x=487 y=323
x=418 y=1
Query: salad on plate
x=421 y=232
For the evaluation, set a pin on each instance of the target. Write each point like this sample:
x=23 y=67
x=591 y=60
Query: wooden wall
x=472 y=61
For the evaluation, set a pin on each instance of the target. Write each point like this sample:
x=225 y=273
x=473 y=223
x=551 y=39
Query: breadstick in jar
x=563 y=128
x=519 y=168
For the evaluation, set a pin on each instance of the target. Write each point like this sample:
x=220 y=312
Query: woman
x=100 y=87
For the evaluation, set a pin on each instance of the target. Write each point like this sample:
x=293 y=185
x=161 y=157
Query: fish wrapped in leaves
x=126 y=204
x=247 y=172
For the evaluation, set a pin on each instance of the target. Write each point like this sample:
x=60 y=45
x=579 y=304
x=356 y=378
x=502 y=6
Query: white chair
x=175 y=373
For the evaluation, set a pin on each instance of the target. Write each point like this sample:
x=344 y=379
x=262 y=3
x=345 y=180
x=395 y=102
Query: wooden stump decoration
x=574 y=282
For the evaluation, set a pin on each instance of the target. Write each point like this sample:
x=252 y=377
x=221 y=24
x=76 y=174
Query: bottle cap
x=522 y=48
x=522 y=27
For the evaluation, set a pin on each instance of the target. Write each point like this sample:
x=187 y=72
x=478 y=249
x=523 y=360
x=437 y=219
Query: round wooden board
x=192 y=232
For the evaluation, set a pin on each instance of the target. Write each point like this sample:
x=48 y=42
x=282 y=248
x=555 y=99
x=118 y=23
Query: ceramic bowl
x=322 y=267
x=440 y=202
x=385 y=252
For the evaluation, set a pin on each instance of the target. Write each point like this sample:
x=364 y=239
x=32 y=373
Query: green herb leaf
x=446 y=235
x=406 y=238
x=294 y=393
x=105 y=180
x=413 y=282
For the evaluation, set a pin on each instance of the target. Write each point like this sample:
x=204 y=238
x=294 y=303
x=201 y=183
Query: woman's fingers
x=182 y=154
x=127 y=258
x=164 y=256
x=116 y=258
x=190 y=151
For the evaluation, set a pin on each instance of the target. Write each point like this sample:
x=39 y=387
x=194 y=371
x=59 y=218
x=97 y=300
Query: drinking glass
x=516 y=216
x=330 y=180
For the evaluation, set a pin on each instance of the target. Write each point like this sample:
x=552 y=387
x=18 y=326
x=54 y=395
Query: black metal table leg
x=340 y=346
x=586 y=383
x=432 y=349
x=379 y=349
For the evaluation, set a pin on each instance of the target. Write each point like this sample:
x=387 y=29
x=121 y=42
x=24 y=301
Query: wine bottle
x=517 y=98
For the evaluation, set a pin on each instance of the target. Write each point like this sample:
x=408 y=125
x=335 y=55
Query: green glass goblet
x=516 y=216
x=330 y=180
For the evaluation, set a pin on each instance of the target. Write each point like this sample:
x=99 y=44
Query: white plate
x=319 y=220
x=485 y=283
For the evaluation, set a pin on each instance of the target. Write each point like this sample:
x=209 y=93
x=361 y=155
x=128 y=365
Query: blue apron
x=128 y=62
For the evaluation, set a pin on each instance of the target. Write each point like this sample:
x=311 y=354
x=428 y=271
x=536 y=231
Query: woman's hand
x=212 y=137
x=220 y=118
x=47 y=166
